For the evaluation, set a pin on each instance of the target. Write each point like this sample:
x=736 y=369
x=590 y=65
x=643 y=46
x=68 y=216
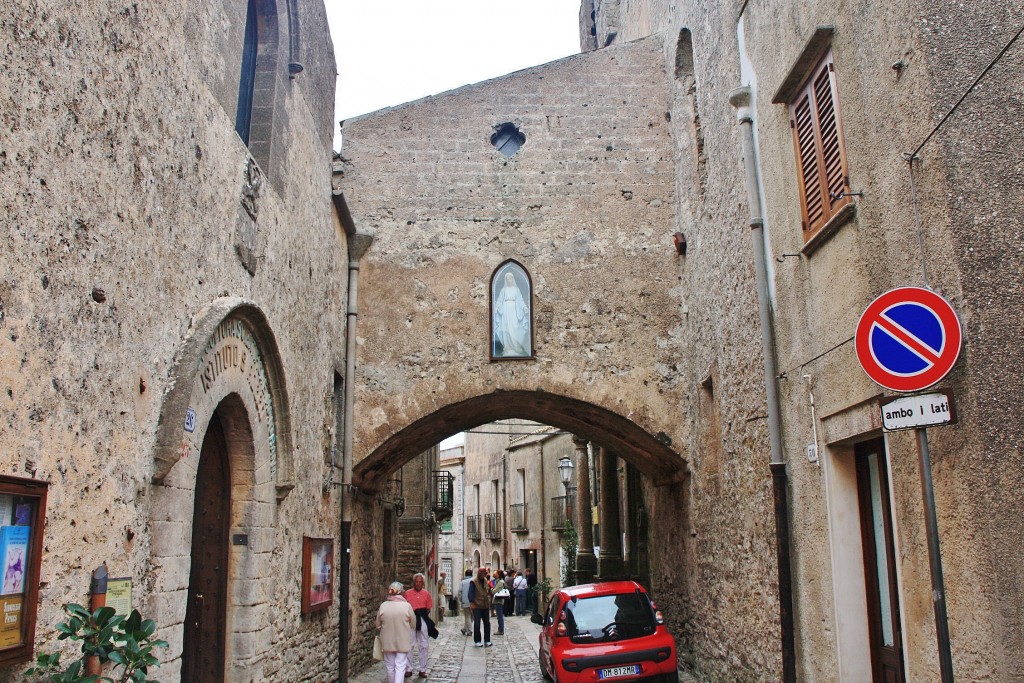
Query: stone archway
x=227 y=374
x=651 y=454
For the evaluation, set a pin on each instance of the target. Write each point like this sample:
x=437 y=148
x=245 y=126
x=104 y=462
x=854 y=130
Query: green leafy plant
x=541 y=592
x=127 y=642
x=570 y=544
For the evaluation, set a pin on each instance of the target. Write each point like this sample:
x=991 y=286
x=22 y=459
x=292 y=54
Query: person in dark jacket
x=480 y=599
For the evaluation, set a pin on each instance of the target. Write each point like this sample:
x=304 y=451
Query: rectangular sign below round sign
x=915 y=412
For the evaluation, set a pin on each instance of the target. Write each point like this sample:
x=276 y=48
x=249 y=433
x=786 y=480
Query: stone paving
x=454 y=659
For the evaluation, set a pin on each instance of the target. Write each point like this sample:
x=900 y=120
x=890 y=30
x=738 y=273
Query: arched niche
x=511 y=310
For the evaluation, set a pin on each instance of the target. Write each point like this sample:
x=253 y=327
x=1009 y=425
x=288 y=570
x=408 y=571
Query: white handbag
x=378 y=653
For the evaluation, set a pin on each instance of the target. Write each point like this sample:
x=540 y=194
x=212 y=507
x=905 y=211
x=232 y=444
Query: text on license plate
x=616 y=671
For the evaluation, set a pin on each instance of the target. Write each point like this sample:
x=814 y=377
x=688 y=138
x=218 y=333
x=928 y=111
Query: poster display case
x=22 y=513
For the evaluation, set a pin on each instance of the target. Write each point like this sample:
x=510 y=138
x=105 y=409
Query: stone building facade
x=172 y=348
x=174 y=295
x=719 y=90
x=515 y=472
x=941 y=220
x=416 y=531
x=451 y=540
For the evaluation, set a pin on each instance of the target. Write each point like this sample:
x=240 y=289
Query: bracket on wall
x=839 y=195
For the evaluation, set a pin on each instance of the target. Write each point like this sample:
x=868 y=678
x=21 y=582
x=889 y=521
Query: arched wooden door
x=203 y=653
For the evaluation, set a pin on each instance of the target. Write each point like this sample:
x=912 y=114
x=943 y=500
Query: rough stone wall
x=121 y=180
x=415 y=526
x=583 y=210
x=900 y=68
x=584 y=206
x=727 y=617
x=970 y=199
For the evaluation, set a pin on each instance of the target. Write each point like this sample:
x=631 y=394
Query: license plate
x=616 y=671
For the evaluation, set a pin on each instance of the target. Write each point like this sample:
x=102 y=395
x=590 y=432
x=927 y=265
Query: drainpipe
x=740 y=99
x=358 y=243
x=542 y=565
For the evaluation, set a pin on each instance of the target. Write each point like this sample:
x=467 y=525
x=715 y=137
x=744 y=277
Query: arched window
x=247 y=80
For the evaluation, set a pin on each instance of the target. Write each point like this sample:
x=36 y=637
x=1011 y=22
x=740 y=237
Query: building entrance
x=203 y=652
x=885 y=625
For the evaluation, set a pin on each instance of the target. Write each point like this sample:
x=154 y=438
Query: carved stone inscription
x=232 y=361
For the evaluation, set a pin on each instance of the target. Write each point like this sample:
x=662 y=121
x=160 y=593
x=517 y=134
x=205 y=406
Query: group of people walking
x=404 y=621
x=498 y=593
x=404 y=618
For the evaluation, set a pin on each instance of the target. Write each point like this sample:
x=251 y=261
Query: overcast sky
x=395 y=51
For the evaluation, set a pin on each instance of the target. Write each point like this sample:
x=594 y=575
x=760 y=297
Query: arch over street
x=651 y=454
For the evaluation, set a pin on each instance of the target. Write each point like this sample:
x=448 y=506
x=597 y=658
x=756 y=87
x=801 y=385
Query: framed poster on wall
x=317 y=574
x=22 y=511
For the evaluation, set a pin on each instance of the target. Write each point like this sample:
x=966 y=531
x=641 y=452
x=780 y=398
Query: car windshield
x=609 y=617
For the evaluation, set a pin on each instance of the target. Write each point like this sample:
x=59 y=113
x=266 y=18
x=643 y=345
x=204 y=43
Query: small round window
x=507 y=139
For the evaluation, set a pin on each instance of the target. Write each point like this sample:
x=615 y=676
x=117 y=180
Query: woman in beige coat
x=395 y=619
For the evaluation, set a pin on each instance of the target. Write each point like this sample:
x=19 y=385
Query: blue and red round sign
x=908 y=339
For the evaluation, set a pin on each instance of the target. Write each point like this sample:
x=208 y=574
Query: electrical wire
x=977 y=80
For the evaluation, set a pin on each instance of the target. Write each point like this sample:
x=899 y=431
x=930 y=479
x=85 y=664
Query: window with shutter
x=821 y=154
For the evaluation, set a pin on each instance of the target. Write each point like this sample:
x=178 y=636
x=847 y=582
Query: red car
x=605 y=632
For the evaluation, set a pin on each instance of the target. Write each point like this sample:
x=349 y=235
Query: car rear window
x=609 y=618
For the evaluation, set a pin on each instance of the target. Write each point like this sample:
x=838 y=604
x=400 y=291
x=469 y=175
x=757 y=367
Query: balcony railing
x=517 y=517
x=473 y=527
x=443 y=504
x=492 y=525
x=563 y=511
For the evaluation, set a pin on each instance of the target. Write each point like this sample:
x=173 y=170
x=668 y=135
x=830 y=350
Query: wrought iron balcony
x=563 y=511
x=517 y=517
x=443 y=504
x=473 y=527
x=492 y=525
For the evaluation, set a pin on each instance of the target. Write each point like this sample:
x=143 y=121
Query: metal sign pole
x=935 y=558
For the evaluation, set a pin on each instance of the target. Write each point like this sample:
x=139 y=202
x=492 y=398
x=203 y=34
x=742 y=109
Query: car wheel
x=669 y=678
x=543 y=670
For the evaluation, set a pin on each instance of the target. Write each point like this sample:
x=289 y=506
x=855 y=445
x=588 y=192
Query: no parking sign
x=908 y=339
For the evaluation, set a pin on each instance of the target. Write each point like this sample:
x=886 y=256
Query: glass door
x=885 y=626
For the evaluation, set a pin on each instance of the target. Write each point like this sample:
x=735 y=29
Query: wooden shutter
x=821 y=155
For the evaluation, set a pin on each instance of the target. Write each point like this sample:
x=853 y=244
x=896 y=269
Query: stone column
x=610 y=563
x=586 y=562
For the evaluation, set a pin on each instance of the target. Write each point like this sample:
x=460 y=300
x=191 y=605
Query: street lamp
x=565 y=471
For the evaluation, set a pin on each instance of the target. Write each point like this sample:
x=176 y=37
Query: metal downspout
x=740 y=99
x=542 y=555
x=357 y=246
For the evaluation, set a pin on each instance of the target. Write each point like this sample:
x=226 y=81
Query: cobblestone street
x=454 y=659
